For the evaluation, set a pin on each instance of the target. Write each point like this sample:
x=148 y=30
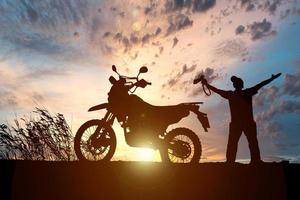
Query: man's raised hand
x=275 y=76
x=204 y=81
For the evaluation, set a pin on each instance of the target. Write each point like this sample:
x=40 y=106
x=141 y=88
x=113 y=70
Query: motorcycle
x=144 y=125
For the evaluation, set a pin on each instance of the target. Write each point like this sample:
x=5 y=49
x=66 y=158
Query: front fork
x=99 y=139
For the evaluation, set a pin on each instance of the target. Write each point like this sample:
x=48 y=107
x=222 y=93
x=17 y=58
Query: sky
x=58 y=54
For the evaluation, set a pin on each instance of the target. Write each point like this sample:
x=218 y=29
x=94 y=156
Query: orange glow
x=146 y=154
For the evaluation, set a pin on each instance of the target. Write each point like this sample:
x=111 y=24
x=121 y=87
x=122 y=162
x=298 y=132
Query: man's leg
x=251 y=134
x=233 y=139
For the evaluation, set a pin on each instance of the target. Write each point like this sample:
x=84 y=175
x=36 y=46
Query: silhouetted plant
x=39 y=137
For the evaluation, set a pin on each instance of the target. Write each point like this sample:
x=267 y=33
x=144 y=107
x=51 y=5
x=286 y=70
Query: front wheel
x=95 y=140
x=181 y=145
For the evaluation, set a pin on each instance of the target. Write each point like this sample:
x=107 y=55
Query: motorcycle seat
x=169 y=114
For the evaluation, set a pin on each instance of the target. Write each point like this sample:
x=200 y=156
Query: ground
x=146 y=180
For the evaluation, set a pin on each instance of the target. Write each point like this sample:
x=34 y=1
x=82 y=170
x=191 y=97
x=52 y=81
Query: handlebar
x=146 y=82
x=135 y=78
x=140 y=83
x=126 y=77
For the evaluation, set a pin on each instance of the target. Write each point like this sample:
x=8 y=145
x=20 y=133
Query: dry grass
x=41 y=136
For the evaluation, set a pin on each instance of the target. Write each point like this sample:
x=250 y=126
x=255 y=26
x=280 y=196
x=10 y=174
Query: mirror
x=143 y=69
x=114 y=68
x=112 y=80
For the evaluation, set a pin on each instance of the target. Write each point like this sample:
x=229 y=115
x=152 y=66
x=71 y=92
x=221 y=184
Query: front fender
x=98 y=107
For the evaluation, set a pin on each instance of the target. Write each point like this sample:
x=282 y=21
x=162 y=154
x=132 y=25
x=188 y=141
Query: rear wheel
x=95 y=140
x=182 y=145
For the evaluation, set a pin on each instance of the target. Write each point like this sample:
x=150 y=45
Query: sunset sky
x=57 y=54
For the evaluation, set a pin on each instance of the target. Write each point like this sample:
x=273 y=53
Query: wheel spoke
x=91 y=152
x=184 y=140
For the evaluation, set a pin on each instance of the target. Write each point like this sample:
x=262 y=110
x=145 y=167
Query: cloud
x=275 y=101
x=271 y=99
x=158 y=31
x=210 y=75
x=194 y=5
x=7 y=100
x=175 y=41
x=174 y=80
x=240 y=29
x=132 y=40
x=147 y=27
x=12 y=99
x=16 y=85
x=203 y=5
x=106 y=34
x=266 y=96
x=248 y=5
x=290 y=88
x=261 y=29
x=285 y=14
x=161 y=49
x=287 y=146
x=296 y=11
x=257 y=30
x=39 y=12
x=151 y=8
x=231 y=48
x=146 y=38
x=284 y=106
x=65 y=29
x=118 y=36
x=41 y=73
x=134 y=56
x=271 y=128
x=43 y=27
x=126 y=44
x=291 y=84
x=277 y=158
x=186 y=69
x=271 y=6
x=37 y=43
x=178 y=22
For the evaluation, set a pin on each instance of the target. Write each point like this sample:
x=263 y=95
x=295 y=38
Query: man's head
x=237 y=82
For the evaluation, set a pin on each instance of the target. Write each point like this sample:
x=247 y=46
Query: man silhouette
x=240 y=102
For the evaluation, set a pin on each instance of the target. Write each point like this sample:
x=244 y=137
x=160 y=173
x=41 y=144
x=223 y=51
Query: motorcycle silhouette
x=144 y=125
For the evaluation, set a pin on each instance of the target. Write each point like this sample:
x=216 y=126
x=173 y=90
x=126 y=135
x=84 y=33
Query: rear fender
x=202 y=117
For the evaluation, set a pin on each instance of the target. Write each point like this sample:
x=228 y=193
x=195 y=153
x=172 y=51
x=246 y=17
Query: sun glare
x=136 y=26
x=146 y=154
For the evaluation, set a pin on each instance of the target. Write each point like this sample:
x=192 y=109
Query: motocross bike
x=144 y=125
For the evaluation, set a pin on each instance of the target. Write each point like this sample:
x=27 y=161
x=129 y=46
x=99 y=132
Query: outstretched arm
x=265 y=82
x=222 y=93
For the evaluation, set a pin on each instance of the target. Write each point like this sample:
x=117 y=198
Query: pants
x=235 y=132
